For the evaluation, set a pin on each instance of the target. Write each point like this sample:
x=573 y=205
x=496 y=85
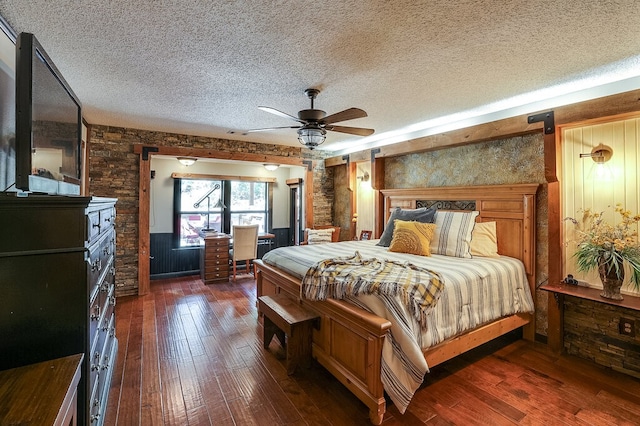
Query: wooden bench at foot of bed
x=348 y=342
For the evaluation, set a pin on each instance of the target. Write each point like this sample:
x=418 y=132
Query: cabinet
x=214 y=259
x=57 y=296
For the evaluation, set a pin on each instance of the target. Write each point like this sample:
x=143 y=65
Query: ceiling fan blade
x=269 y=128
x=281 y=114
x=347 y=114
x=351 y=130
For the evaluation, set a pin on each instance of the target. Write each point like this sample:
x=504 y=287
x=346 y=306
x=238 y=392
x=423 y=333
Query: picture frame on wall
x=365 y=235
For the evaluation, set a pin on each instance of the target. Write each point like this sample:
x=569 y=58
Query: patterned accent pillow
x=319 y=236
x=412 y=237
x=453 y=233
x=484 y=242
x=423 y=215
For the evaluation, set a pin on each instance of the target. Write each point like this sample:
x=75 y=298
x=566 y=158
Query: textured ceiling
x=204 y=67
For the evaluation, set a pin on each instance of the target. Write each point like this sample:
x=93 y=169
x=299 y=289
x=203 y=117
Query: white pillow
x=319 y=236
x=453 y=233
x=484 y=242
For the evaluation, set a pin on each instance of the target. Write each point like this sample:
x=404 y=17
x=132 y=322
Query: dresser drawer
x=93 y=226
x=99 y=222
x=107 y=219
x=95 y=407
x=100 y=259
x=95 y=311
x=213 y=275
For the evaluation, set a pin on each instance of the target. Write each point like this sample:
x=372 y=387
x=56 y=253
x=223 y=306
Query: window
x=248 y=204
x=217 y=205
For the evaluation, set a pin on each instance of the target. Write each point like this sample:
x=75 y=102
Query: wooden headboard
x=512 y=207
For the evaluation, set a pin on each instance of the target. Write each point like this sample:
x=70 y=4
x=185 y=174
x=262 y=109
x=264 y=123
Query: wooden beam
x=223 y=155
x=509 y=127
x=144 y=238
x=308 y=195
x=352 y=176
x=176 y=175
x=377 y=183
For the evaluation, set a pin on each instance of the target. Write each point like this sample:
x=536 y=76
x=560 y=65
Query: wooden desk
x=41 y=394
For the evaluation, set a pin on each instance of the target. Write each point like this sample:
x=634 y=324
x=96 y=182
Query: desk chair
x=245 y=246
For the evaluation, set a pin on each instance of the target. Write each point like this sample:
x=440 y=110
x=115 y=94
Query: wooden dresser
x=214 y=259
x=57 y=296
x=45 y=393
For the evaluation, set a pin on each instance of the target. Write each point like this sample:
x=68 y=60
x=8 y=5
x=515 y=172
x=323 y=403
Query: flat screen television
x=48 y=123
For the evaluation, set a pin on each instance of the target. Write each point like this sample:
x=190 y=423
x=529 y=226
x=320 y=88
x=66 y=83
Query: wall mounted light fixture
x=364 y=177
x=271 y=167
x=600 y=155
x=187 y=161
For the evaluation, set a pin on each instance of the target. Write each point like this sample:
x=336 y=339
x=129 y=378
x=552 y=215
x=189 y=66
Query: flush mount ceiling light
x=271 y=167
x=187 y=161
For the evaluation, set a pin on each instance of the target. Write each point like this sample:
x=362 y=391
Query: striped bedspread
x=476 y=291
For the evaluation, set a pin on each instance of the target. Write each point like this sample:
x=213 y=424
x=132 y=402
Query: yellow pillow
x=484 y=242
x=412 y=237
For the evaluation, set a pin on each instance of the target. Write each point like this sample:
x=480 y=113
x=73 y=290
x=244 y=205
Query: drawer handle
x=105 y=366
x=96 y=265
x=96 y=313
x=112 y=300
x=96 y=225
x=94 y=367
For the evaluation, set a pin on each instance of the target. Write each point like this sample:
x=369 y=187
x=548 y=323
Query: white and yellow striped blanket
x=419 y=288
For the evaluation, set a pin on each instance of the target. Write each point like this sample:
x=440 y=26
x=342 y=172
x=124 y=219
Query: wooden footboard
x=348 y=343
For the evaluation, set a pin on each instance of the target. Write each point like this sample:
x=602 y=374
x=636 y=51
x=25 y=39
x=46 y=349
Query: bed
x=353 y=342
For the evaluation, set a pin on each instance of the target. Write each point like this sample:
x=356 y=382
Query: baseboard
x=174 y=274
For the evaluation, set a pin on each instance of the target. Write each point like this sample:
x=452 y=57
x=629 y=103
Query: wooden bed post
x=377 y=183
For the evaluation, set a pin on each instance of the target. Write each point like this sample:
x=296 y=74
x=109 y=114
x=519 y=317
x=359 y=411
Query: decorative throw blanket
x=419 y=288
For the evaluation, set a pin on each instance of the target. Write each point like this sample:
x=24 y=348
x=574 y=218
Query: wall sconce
x=364 y=177
x=187 y=161
x=600 y=155
x=365 y=183
x=271 y=167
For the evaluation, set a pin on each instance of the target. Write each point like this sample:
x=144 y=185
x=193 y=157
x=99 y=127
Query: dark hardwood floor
x=192 y=354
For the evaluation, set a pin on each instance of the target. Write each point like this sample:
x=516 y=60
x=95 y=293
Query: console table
x=555 y=316
x=41 y=394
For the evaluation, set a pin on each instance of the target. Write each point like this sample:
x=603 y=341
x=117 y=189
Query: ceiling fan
x=315 y=122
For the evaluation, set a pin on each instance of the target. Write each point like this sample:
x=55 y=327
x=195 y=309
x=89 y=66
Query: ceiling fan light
x=311 y=137
x=271 y=167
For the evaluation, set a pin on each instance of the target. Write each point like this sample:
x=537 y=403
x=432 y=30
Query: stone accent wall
x=114 y=169
x=506 y=161
x=323 y=194
x=342 y=209
x=591 y=331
